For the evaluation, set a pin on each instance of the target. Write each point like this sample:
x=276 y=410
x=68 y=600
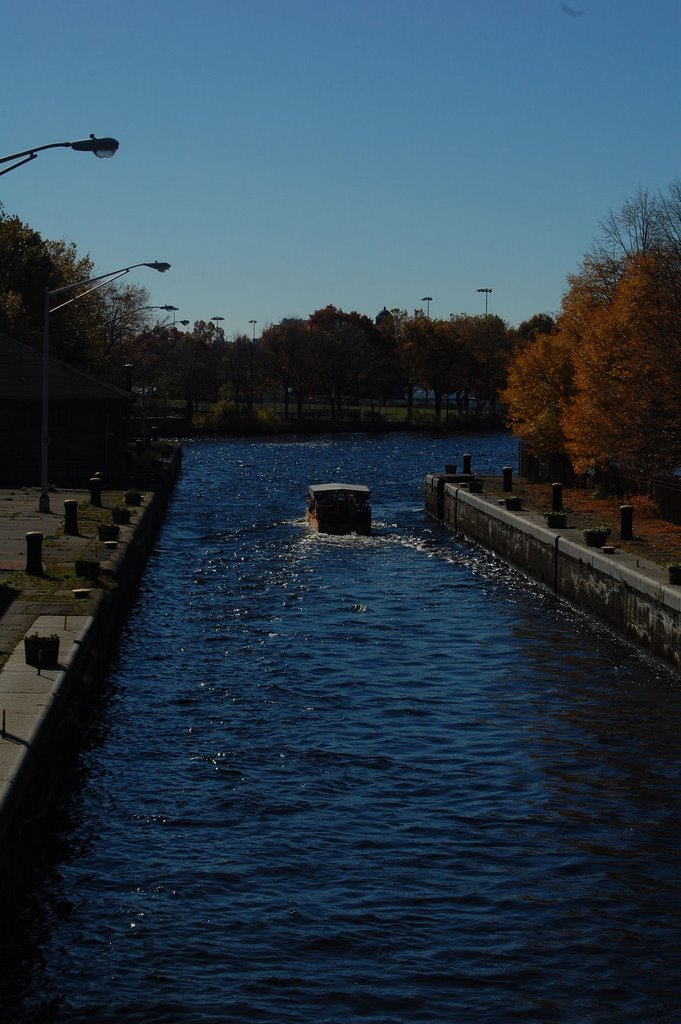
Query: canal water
x=382 y=779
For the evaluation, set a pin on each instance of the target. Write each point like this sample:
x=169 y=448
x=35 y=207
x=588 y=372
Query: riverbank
x=43 y=706
x=624 y=584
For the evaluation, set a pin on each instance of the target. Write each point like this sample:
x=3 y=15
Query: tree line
x=326 y=361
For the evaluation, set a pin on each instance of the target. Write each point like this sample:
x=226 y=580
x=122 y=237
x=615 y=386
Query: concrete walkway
x=18 y=516
x=27 y=695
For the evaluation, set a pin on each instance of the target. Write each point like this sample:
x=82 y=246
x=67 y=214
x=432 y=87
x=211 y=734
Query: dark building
x=88 y=421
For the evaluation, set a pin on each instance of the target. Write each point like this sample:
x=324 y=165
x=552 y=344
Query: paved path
x=18 y=516
x=26 y=694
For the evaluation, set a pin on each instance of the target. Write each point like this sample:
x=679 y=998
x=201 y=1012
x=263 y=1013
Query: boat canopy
x=317 y=490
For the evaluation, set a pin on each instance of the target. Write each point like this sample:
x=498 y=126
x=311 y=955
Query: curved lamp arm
x=96 y=282
x=100 y=281
x=103 y=148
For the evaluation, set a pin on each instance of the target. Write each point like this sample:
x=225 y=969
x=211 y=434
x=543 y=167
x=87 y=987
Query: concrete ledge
x=626 y=592
x=31 y=705
x=44 y=711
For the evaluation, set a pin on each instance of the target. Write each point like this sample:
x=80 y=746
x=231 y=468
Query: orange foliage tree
x=605 y=385
x=626 y=406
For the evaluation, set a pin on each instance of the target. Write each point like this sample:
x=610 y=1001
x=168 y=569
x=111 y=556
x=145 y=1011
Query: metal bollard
x=626 y=522
x=96 y=491
x=467 y=464
x=71 y=517
x=34 y=553
x=556 y=497
x=508 y=478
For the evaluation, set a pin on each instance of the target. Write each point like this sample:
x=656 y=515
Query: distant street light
x=427 y=299
x=103 y=148
x=487 y=291
x=97 y=282
x=254 y=322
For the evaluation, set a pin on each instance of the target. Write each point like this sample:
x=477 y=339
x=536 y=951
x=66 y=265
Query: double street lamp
x=95 y=282
x=103 y=148
x=487 y=292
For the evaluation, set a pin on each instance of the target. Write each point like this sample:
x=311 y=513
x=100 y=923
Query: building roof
x=21 y=377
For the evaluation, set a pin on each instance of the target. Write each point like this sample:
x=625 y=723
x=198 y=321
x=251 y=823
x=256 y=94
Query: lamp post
x=254 y=322
x=170 y=309
x=103 y=148
x=95 y=282
x=487 y=291
x=427 y=299
x=217 y=319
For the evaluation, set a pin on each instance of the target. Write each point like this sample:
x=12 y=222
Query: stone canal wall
x=45 y=711
x=626 y=592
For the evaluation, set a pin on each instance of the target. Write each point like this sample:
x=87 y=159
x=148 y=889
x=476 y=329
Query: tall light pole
x=254 y=322
x=487 y=291
x=217 y=320
x=103 y=148
x=427 y=299
x=96 y=282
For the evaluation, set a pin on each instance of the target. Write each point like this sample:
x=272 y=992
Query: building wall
x=85 y=437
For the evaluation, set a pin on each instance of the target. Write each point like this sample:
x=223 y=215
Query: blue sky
x=287 y=154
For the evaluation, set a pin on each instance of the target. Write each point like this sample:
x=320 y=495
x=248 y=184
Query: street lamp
x=217 y=319
x=95 y=282
x=169 y=309
x=427 y=299
x=103 y=148
x=487 y=291
x=254 y=322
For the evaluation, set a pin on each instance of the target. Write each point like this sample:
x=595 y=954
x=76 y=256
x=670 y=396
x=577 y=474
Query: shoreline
x=45 y=711
x=624 y=590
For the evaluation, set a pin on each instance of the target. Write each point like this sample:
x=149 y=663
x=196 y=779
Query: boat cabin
x=339 y=508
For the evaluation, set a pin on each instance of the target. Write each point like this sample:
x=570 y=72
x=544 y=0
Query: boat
x=339 y=508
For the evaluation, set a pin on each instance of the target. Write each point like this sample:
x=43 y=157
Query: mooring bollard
x=71 y=517
x=626 y=522
x=96 y=491
x=34 y=553
x=508 y=478
x=467 y=464
x=556 y=497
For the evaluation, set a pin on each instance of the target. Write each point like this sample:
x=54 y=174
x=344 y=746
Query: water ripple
x=382 y=779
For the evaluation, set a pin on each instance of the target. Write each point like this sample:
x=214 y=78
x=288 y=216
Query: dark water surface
x=373 y=780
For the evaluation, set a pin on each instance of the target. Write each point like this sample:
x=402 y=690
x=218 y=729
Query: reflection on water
x=358 y=779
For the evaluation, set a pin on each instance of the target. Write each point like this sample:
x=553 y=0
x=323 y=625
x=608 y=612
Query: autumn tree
x=288 y=352
x=86 y=333
x=341 y=344
x=28 y=266
x=539 y=387
x=605 y=385
x=626 y=407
